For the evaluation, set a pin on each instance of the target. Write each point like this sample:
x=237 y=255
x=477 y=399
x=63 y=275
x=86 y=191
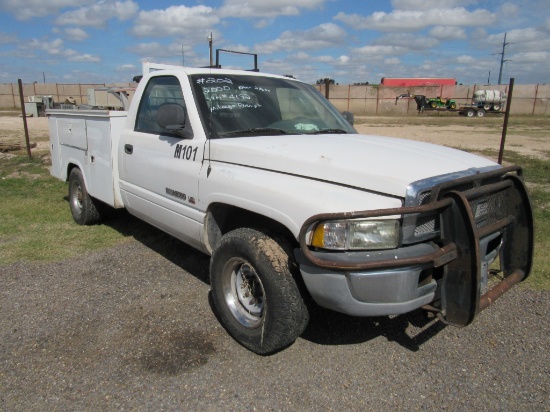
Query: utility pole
x=502 y=60
x=210 y=48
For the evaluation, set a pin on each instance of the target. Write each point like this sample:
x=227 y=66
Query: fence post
x=24 y=118
x=505 y=125
x=535 y=99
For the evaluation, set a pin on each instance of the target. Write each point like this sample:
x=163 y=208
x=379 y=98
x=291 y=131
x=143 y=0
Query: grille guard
x=458 y=244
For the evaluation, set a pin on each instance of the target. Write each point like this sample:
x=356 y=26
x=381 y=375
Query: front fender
x=287 y=199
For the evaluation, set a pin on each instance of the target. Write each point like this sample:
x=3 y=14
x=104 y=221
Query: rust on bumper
x=456 y=247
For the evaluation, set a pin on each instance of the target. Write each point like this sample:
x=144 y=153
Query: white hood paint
x=381 y=164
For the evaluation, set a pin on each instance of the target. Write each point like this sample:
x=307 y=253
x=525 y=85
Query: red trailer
x=416 y=81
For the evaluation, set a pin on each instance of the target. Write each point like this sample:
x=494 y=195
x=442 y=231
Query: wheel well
x=70 y=168
x=223 y=218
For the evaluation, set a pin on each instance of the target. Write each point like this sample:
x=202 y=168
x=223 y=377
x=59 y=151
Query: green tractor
x=423 y=102
x=439 y=102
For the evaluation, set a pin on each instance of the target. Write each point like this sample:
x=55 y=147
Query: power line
x=502 y=59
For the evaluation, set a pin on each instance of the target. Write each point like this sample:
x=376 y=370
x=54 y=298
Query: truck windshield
x=246 y=105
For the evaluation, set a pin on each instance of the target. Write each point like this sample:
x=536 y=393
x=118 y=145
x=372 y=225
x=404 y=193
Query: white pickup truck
x=262 y=173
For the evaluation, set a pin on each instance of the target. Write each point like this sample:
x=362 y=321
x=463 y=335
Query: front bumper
x=367 y=293
x=479 y=217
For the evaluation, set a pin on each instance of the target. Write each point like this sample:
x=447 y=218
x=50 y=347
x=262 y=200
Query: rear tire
x=496 y=107
x=82 y=206
x=487 y=106
x=254 y=293
x=480 y=113
x=470 y=112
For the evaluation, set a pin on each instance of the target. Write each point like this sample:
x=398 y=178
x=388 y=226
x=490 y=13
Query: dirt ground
x=476 y=134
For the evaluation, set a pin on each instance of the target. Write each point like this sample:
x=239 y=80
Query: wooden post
x=505 y=125
x=24 y=118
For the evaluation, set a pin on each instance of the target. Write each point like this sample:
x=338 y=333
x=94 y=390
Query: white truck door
x=159 y=170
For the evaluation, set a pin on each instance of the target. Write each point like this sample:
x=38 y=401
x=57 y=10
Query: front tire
x=82 y=206
x=254 y=293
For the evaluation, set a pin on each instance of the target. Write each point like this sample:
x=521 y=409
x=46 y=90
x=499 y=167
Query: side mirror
x=171 y=117
x=349 y=117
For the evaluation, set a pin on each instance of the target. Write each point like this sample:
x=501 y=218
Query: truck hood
x=375 y=163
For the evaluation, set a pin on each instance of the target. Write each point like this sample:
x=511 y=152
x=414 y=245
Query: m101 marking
x=185 y=152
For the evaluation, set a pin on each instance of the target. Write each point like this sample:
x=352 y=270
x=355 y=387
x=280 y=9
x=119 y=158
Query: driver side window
x=159 y=90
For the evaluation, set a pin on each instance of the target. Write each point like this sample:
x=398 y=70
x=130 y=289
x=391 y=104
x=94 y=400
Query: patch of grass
x=35 y=223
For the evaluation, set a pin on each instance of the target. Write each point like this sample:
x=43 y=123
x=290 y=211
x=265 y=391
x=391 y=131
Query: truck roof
x=149 y=68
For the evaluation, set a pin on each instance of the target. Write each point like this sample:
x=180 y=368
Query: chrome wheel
x=76 y=198
x=243 y=292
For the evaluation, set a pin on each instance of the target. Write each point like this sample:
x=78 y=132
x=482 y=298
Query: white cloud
x=28 y=9
x=76 y=34
x=509 y=10
x=427 y=5
x=270 y=9
x=99 y=13
x=322 y=36
x=448 y=33
x=392 y=61
x=533 y=57
x=407 y=41
x=380 y=51
x=465 y=59
x=85 y=58
x=175 y=21
x=411 y=20
x=126 y=67
x=524 y=40
x=53 y=47
x=343 y=59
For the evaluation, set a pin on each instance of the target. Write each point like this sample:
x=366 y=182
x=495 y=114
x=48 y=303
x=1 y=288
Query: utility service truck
x=295 y=207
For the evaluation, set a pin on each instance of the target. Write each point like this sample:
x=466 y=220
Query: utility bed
x=88 y=139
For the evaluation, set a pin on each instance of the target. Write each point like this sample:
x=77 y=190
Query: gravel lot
x=131 y=328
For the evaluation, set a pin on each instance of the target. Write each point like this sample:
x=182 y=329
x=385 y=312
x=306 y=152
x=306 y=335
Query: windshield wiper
x=329 y=131
x=256 y=131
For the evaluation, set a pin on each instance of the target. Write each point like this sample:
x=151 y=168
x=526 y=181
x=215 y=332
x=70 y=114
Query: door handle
x=128 y=148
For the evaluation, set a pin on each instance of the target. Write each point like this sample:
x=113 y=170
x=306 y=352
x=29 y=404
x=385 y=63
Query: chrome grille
x=486 y=209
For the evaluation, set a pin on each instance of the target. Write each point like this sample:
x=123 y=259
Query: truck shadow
x=186 y=257
x=410 y=330
x=326 y=327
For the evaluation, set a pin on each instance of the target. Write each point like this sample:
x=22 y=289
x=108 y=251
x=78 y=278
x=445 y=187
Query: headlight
x=356 y=235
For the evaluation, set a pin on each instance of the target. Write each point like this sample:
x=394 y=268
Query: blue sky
x=350 y=41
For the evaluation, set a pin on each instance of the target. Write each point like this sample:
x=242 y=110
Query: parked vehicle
x=423 y=102
x=264 y=175
x=489 y=99
x=438 y=102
